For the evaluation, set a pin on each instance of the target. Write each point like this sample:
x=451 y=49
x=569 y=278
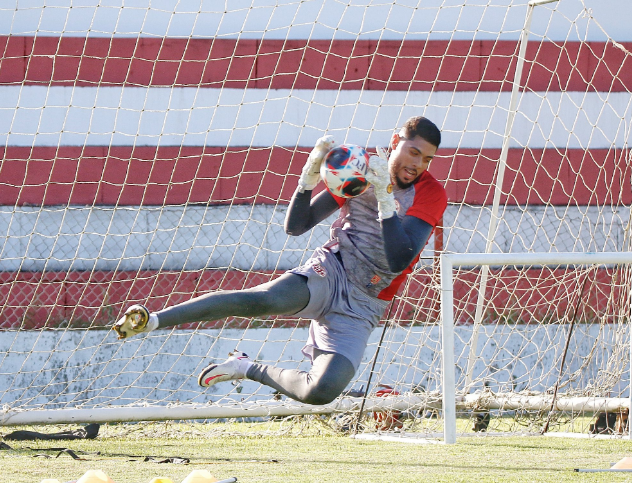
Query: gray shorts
x=343 y=316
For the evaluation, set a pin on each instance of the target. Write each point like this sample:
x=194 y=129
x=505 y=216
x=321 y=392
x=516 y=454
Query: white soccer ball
x=344 y=170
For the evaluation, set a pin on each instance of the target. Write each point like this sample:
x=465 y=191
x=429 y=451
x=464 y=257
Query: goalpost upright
x=500 y=175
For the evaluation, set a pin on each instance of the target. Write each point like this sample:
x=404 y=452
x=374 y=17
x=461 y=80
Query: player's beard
x=402 y=186
x=398 y=182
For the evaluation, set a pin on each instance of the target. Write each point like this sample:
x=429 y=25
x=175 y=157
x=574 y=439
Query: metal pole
x=502 y=165
x=447 y=341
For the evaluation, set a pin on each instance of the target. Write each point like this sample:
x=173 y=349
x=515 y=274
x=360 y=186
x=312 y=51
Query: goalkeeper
x=346 y=285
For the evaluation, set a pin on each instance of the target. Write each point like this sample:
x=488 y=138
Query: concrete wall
x=92 y=368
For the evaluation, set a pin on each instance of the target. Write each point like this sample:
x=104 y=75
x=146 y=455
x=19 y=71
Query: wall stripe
x=438 y=65
x=322 y=19
x=181 y=116
x=252 y=238
x=123 y=175
x=95 y=299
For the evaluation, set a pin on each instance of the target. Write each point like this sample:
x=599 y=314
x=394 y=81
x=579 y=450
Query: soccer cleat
x=133 y=322
x=234 y=368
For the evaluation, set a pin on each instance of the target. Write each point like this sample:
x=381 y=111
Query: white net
x=149 y=152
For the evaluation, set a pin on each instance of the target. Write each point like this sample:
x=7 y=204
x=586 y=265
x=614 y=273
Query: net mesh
x=149 y=154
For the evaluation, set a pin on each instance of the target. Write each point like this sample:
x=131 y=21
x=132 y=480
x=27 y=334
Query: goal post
x=262 y=410
x=448 y=263
x=502 y=167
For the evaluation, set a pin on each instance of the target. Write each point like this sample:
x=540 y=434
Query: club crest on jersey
x=319 y=269
x=374 y=280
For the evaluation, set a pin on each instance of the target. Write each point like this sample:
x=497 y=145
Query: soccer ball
x=344 y=169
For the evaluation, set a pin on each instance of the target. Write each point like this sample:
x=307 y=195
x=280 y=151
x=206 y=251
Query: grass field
x=316 y=455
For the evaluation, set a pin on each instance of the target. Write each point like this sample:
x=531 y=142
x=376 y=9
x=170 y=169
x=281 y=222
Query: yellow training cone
x=624 y=464
x=95 y=476
x=199 y=476
x=161 y=480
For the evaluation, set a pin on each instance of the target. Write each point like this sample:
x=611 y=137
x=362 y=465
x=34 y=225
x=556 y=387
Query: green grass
x=311 y=453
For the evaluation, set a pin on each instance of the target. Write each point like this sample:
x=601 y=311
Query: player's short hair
x=424 y=128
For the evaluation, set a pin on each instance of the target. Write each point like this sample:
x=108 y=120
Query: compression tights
x=329 y=375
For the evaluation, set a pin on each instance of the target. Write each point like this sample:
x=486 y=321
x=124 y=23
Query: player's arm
x=404 y=240
x=304 y=213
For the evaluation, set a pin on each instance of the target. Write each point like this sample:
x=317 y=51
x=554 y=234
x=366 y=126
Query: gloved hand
x=380 y=177
x=135 y=320
x=310 y=176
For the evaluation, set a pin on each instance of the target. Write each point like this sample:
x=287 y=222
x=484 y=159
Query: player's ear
x=395 y=141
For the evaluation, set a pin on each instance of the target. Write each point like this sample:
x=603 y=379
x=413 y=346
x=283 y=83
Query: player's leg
x=342 y=320
x=329 y=375
x=287 y=294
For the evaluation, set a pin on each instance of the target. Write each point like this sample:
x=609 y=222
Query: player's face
x=409 y=159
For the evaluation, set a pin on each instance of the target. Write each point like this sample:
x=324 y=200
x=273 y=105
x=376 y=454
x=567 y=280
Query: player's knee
x=318 y=399
x=320 y=394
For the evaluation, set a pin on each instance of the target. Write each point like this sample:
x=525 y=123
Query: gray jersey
x=359 y=233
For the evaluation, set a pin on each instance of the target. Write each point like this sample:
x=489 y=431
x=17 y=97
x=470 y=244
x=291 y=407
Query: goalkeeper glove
x=135 y=320
x=310 y=176
x=380 y=177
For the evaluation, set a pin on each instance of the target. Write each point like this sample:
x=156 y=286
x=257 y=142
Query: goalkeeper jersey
x=359 y=233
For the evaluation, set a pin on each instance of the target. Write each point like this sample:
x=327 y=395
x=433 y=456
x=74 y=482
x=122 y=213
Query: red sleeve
x=430 y=200
x=429 y=204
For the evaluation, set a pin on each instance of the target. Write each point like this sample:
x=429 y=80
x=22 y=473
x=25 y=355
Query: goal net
x=149 y=152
